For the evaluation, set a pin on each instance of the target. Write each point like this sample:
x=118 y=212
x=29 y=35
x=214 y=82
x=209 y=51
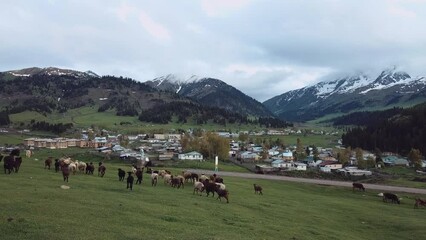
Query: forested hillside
x=396 y=130
x=52 y=90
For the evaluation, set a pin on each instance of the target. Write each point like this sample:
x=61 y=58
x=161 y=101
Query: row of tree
x=48 y=127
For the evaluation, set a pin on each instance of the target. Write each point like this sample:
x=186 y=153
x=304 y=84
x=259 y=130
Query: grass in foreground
x=33 y=206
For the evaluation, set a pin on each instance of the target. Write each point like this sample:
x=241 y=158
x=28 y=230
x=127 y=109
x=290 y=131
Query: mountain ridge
x=211 y=92
x=342 y=95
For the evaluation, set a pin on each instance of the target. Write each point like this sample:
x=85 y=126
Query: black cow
x=358 y=186
x=210 y=187
x=90 y=168
x=57 y=164
x=18 y=162
x=392 y=197
x=9 y=164
x=121 y=174
x=130 y=180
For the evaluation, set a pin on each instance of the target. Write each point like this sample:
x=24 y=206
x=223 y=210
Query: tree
x=243 y=137
x=299 y=146
x=344 y=155
x=300 y=152
x=308 y=151
x=209 y=144
x=414 y=156
x=4 y=119
x=358 y=155
x=378 y=154
x=315 y=152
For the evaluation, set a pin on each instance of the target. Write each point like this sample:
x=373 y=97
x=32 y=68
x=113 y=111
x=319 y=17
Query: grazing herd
x=202 y=183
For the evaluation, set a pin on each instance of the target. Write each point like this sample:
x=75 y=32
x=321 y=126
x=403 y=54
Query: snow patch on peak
x=92 y=74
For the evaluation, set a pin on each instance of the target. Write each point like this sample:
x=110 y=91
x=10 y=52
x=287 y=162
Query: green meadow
x=33 y=206
x=84 y=117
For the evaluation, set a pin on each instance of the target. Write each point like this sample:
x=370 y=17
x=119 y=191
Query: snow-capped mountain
x=211 y=92
x=342 y=95
x=50 y=71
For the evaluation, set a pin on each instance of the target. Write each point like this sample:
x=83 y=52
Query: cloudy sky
x=262 y=47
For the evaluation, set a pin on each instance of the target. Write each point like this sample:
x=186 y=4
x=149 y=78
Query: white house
x=249 y=156
x=279 y=163
x=300 y=166
x=273 y=152
x=288 y=155
x=354 y=171
x=191 y=156
x=328 y=166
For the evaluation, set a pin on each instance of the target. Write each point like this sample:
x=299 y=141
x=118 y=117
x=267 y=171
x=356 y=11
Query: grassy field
x=33 y=206
x=11 y=139
x=85 y=117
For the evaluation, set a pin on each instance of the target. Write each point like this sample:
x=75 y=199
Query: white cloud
x=154 y=28
x=221 y=7
x=263 y=48
x=124 y=11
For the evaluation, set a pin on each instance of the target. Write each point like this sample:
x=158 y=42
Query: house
x=273 y=152
x=191 y=156
x=328 y=166
x=72 y=142
x=99 y=142
x=165 y=156
x=279 y=163
x=288 y=155
x=248 y=157
x=29 y=142
x=257 y=149
x=395 y=161
x=224 y=134
x=354 y=171
x=423 y=163
x=299 y=166
x=117 y=148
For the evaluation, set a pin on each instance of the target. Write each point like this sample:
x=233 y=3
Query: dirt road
x=384 y=188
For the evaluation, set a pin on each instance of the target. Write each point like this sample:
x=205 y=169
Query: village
x=271 y=158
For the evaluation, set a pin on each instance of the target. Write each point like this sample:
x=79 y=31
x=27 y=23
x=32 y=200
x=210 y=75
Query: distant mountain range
x=352 y=93
x=211 y=92
x=54 y=90
x=50 y=71
x=61 y=89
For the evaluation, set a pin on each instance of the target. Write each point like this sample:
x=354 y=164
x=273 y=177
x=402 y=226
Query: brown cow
x=419 y=202
x=48 y=163
x=101 y=170
x=257 y=189
x=65 y=172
